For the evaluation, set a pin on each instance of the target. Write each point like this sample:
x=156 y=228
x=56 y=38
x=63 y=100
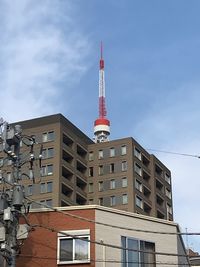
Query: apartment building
x=76 y=171
x=96 y=236
x=63 y=177
x=123 y=175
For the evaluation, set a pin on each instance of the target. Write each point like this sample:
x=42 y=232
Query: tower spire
x=102 y=124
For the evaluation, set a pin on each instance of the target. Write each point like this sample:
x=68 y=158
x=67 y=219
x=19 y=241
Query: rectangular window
x=123 y=150
x=48 y=153
x=112 y=152
x=91 y=173
x=49 y=202
x=48 y=136
x=100 y=186
x=112 y=201
x=138 y=185
x=42 y=188
x=137 y=153
x=124 y=199
x=74 y=250
x=139 y=202
x=124 y=182
x=138 y=169
x=101 y=201
x=47 y=170
x=90 y=188
x=112 y=168
x=137 y=253
x=112 y=184
x=100 y=169
x=124 y=166
x=91 y=156
x=49 y=187
x=100 y=154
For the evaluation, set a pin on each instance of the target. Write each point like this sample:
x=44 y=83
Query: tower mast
x=102 y=124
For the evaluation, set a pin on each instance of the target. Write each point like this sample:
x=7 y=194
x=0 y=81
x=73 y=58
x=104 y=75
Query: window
x=100 y=186
x=138 y=169
x=124 y=166
x=100 y=169
x=49 y=202
x=1 y=162
x=112 y=201
x=30 y=190
x=90 y=187
x=123 y=150
x=100 y=154
x=124 y=199
x=140 y=253
x=91 y=155
x=138 y=185
x=112 y=167
x=73 y=250
x=138 y=202
x=101 y=201
x=112 y=184
x=47 y=170
x=112 y=152
x=49 y=187
x=43 y=188
x=137 y=153
x=124 y=182
x=91 y=173
x=48 y=153
x=48 y=136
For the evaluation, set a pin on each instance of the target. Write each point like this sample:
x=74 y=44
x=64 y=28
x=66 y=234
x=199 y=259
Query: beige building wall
x=163 y=243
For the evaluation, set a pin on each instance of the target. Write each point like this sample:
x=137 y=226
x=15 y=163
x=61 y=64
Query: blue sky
x=49 y=59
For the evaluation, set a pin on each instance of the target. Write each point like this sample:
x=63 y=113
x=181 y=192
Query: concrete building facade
x=77 y=171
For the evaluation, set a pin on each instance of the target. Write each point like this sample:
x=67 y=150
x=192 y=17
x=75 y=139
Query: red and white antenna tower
x=102 y=124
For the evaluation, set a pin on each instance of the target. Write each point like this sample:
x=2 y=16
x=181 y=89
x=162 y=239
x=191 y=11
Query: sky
x=49 y=62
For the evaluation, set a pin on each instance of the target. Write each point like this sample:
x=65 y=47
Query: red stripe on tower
x=102 y=124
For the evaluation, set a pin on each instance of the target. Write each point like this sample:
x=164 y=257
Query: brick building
x=60 y=238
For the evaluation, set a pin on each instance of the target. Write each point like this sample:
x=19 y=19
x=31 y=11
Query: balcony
x=67 y=174
x=80 y=200
x=66 y=190
x=68 y=141
x=81 y=152
x=67 y=157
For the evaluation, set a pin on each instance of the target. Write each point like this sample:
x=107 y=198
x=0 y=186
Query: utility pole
x=12 y=199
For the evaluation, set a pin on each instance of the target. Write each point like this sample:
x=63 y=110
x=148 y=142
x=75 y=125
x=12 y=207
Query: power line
x=107 y=261
x=174 y=153
x=110 y=225
x=52 y=229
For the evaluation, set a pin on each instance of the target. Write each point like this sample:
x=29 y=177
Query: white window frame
x=140 y=201
x=123 y=150
x=112 y=184
x=76 y=233
x=124 y=165
x=100 y=154
x=138 y=185
x=112 y=152
x=124 y=199
x=124 y=184
x=138 y=169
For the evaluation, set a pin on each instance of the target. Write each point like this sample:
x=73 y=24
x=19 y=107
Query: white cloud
x=41 y=48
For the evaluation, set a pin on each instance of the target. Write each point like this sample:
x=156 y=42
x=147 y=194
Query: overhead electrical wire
x=65 y=213
x=174 y=153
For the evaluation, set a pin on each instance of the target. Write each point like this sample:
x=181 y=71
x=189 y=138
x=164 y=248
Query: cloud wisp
x=41 y=49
